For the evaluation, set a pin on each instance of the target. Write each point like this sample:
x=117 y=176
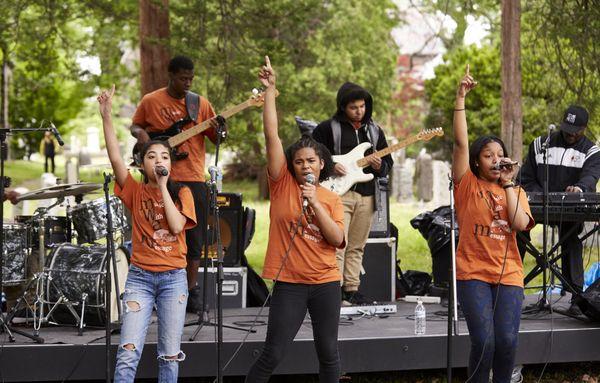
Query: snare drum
x=90 y=222
x=56 y=229
x=15 y=251
x=75 y=270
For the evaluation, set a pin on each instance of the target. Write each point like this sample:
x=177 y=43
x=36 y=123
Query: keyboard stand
x=553 y=257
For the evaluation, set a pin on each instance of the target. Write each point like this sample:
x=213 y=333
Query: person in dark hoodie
x=573 y=166
x=351 y=125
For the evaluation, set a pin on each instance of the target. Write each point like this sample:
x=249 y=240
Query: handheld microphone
x=216 y=177
x=162 y=171
x=56 y=134
x=551 y=128
x=499 y=166
x=310 y=179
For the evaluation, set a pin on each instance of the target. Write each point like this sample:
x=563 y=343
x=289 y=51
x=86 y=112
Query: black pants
x=288 y=308
x=51 y=158
x=194 y=237
x=572 y=250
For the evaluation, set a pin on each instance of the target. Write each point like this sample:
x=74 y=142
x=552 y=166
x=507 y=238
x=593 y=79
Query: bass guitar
x=355 y=160
x=176 y=135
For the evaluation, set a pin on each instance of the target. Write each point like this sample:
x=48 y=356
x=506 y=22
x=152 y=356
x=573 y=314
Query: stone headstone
x=440 y=182
x=423 y=174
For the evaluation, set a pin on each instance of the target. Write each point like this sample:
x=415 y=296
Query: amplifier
x=230 y=225
x=234 y=286
x=378 y=281
x=380 y=225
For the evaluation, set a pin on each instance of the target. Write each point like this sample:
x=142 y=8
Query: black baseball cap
x=574 y=120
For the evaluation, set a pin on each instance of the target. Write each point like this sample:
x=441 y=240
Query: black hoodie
x=352 y=137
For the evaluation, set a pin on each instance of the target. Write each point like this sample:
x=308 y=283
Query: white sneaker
x=516 y=376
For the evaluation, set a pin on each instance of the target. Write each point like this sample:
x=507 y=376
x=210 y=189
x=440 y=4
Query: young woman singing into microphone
x=301 y=251
x=490 y=210
x=161 y=211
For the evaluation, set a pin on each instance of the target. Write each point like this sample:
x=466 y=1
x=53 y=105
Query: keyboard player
x=573 y=166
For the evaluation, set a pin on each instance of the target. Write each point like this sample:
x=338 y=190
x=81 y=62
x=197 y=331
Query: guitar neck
x=390 y=149
x=204 y=125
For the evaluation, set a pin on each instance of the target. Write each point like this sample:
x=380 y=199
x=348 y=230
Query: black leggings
x=286 y=314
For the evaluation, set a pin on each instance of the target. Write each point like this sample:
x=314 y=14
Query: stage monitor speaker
x=378 y=281
x=230 y=225
x=380 y=225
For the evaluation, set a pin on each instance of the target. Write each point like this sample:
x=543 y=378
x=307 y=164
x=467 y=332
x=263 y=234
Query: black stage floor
x=366 y=344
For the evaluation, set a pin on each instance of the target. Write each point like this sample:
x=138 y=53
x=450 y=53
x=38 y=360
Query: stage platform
x=366 y=344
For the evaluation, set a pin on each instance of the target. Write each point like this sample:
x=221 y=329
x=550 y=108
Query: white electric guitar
x=355 y=160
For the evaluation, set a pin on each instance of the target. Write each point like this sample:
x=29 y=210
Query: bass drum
x=78 y=272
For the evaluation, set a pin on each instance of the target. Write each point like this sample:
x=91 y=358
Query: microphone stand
x=4 y=326
x=110 y=260
x=220 y=277
x=542 y=304
x=452 y=299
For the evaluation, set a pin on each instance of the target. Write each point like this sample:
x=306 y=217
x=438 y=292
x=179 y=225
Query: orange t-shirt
x=154 y=247
x=482 y=216
x=311 y=259
x=158 y=111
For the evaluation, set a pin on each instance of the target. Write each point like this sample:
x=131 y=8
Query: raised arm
x=275 y=154
x=460 y=152
x=112 y=144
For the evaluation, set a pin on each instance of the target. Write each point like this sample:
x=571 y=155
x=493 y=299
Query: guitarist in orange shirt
x=351 y=125
x=176 y=105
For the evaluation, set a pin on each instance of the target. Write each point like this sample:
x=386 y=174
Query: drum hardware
x=70 y=289
x=4 y=326
x=38 y=308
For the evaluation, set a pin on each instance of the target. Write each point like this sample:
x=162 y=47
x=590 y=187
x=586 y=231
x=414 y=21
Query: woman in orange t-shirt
x=490 y=210
x=307 y=225
x=161 y=210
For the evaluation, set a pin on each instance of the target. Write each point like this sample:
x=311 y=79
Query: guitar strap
x=192 y=104
x=336 y=131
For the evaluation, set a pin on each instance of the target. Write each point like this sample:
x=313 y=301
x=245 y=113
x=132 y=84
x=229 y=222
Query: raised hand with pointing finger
x=266 y=74
x=466 y=84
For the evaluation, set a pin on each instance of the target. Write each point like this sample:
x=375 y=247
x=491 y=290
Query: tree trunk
x=5 y=81
x=512 y=113
x=154 y=44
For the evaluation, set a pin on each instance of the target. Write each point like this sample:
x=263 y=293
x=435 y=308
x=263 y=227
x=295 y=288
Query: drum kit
x=60 y=261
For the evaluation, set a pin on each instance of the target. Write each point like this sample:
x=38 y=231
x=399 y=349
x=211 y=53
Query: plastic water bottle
x=420 y=318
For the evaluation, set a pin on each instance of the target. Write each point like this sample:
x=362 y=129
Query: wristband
x=458 y=110
x=508 y=185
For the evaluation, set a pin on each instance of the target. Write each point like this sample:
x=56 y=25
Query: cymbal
x=62 y=190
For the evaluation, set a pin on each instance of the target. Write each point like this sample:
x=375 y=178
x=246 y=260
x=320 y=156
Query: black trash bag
x=589 y=301
x=413 y=282
x=257 y=291
x=434 y=226
x=306 y=126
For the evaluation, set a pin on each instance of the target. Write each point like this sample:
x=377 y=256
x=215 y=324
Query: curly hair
x=307 y=141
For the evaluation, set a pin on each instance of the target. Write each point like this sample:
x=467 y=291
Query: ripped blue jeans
x=144 y=289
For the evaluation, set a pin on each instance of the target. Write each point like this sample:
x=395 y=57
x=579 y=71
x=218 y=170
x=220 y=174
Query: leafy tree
x=559 y=67
x=314 y=45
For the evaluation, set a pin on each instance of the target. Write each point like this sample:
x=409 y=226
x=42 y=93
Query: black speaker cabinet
x=230 y=226
x=378 y=281
x=234 y=286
